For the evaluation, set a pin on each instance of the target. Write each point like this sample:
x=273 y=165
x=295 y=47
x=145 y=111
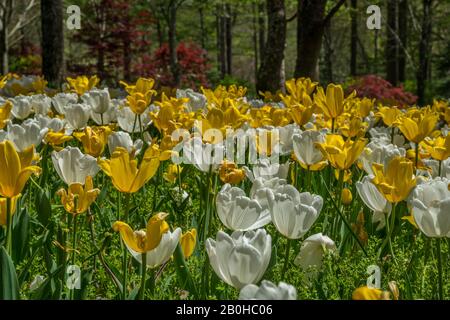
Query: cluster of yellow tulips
x=318 y=169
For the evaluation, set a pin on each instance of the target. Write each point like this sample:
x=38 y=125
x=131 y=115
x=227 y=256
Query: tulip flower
x=41 y=104
x=374 y=200
x=293 y=213
x=82 y=84
x=331 y=103
x=438 y=168
x=172 y=173
x=3 y=209
x=143 y=241
x=61 y=100
x=346 y=196
x=203 y=156
x=77 y=115
x=73 y=166
x=28 y=134
x=306 y=151
x=438 y=148
x=127 y=120
x=238 y=212
x=298 y=87
x=21 y=107
x=263 y=184
x=57 y=138
x=197 y=101
x=124 y=172
x=419 y=126
x=341 y=154
x=266 y=170
x=94 y=140
x=396 y=181
x=430 y=204
x=16 y=169
x=312 y=251
x=187 y=242
x=163 y=251
x=98 y=100
x=229 y=173
x=78 y=198
x=241 y=258
x=268 y=291
x=379 y=152
x=388 y=115
x=5 y=113
x=366 y=293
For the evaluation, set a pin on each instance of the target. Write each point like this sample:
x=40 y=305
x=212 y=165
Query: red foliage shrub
x=374 y=87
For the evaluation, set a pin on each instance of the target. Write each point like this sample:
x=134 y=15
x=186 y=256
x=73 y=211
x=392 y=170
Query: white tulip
x=163 y=252
x=434 y=166
x=374 y=200
x=383 y=135
x=197 y=101
x=27 y=134
x=24 y=82
x=430 y=204
x=21 y=107
x=377 y=152
x=109 y=116
x=126 y=120
x=123 y=140
x=312 y=251
x=77 y=115
x=305 y=147
x=285 y=134
x=267 y=170
x=261 y=184
x=203 y=156
x=98 y=99
x=268 y=291
x=238 y=212
x=293 y=213
x=41 y=104
x=241 y=258
x=61 y=100
x=73 y=166
x=53 y=124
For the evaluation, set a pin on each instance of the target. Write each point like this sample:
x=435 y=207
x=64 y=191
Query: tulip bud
x=347 y=196
x=394 y=289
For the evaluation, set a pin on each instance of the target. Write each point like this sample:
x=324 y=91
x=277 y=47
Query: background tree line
x=258 y=43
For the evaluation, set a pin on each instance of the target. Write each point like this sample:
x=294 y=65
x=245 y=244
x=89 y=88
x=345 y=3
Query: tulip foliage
x=165 y=194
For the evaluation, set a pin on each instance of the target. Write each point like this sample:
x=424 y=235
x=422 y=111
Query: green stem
x=439 y=254
x=9 y=223
x=74 y=248
x=143 y=274
x=124 y=250
x=417 y=155
x=286 y=258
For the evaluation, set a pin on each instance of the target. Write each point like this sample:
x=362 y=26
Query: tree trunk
x=229 y=40
x=310 y=31
x=403 y=37
x=392 y=42
x=202 y=27
x=4 y=47
x=255 y=39
x=262 y=28
x=328 y=70
x=52 y=41
x=354 y=39
x=270 y=71
x=424 y=50
x=172 y=25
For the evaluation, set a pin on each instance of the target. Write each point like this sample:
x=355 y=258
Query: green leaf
x=184 y=276
x=21 y=236
x=43 y=206
x=8 y=277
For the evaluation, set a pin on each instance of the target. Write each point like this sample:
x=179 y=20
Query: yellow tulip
x=351 y=127
x=346 y=196
x=56 y=138
x=366 y=293
x=124 y=172
x=341 y=154
x=78 y=198
x=418 y=126
x=3 y=209
x=171 y=175
x=94 y=140
x=396 y=181
x=143 y=86
x=298 y=87
x=363 y=107
x=230 y=173
x=82 y=84
x=39 y=85
x=438 y=148
x=331 y=103
x=388 y=115
x=187 y=242
x=143 y=241
x=5 y=112
x=16 y=169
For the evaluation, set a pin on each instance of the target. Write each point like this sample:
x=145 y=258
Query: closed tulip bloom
x=61 y=100
x=241 y=258
x=78 y=198
x=238 y=212
x=16 y=169
x=82 y=84
x=293 y=213
x=163 y=252
x=109 y=116
x=123 y=139
x=331 y=103
x=3 y=209
x=142 y=241
x=418 y=126
x=306 y=151
x=26 y=135
x=268 y=291
x=230 y=173
x=396 y=181
x=124 y=172
x=21 y=107
x=312 y=251
x=77 y=116
x=374 y=200
x=341 y=154
x=73 y=166
x=41 y=104
x=378 y=152
x=98 y=99
x=94 y=140
x=366 y=293
x=346 y=196
x=430 y=204
x=52 y=124
x=173 y=172
x=188 y=242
